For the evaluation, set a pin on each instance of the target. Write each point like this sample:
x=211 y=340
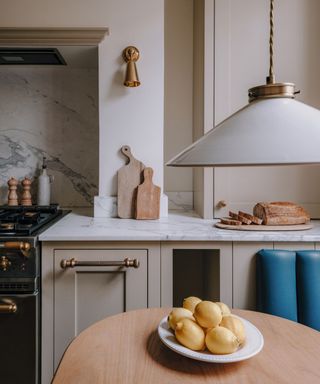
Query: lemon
x=190 y=334
x=207 y=314
x=224 y=308
x=191 y=302
x=177 y=314
x=220 y=340
x=235 y=325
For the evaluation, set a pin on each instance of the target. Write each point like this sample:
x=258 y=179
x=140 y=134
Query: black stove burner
x=26 y=221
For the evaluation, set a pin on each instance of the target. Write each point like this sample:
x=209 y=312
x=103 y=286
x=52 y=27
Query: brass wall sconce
x=131 y=55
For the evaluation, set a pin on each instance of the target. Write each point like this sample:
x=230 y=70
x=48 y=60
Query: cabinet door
x=244 y=273
x=84 y=295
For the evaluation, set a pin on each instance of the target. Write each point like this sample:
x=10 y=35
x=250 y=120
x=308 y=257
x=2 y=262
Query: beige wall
x=178 y=101
x=241 y=44
x=127 y=116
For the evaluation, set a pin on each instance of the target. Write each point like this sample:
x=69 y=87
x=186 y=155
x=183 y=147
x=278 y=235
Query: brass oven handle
x=75 y=263
x=20 y=245
x=8 y=308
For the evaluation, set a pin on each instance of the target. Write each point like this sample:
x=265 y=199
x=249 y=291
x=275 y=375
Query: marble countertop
x=178 y=226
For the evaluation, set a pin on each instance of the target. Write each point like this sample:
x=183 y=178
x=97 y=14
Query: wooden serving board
x=148 y=198
x=129 y=177
x=251 y=227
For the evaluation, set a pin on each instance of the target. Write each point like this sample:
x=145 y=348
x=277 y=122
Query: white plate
x=253 y=345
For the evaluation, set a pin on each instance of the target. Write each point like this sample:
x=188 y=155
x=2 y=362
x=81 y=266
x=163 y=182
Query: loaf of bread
x=281 y=213
x=229 y=221
x=243 y=219
x=253 y=219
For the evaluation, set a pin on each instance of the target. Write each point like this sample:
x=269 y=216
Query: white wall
x=127 y=116
x=241 y=44
x=178 y=102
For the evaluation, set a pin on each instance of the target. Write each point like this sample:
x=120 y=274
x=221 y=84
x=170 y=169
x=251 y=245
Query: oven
x=19 y=311
x=19 y=338
x=20 y=290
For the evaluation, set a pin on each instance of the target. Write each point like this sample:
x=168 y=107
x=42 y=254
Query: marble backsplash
x=51 y=112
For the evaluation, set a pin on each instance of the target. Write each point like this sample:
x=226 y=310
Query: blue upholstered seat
x=288 y=285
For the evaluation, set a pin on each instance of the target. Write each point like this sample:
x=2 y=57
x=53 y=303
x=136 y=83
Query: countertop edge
x=178 y=226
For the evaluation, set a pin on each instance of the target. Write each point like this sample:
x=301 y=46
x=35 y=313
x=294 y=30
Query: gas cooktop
x=27 y=220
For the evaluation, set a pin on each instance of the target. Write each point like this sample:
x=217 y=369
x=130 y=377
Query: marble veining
x=178 y=226
x=51 y=112
x=180 y=201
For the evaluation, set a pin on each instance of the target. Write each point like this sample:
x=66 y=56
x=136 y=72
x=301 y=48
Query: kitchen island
x=83 y=280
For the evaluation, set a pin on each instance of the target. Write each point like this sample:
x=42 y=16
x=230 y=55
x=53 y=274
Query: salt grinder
x=12 y=195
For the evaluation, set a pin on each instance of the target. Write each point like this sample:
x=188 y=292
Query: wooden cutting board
x=148 y=198
x=298 y=227
x=129 y=177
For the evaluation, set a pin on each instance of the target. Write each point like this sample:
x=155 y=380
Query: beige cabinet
x=236 y=70
x=84 y=295
x=202 y=268
x=76 y=296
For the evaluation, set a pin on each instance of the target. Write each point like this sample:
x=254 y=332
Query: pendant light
x=273 y=129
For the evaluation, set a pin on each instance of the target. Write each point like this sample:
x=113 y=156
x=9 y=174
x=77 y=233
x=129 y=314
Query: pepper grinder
x=12 y=195
x=26 y=195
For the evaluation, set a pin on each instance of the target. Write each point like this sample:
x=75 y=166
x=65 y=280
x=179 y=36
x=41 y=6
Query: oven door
x=19 y=335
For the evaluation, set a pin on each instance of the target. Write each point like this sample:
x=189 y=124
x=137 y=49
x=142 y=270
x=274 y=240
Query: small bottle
x=44 y=185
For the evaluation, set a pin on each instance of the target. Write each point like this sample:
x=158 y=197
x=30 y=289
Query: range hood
x=30 y=56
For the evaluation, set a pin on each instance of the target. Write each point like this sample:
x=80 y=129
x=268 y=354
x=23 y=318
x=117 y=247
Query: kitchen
x=88 y=115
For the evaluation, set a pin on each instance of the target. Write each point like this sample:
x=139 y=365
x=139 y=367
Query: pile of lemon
x=207 y=324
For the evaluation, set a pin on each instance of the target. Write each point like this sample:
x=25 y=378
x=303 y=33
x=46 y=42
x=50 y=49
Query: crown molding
x=52 y=36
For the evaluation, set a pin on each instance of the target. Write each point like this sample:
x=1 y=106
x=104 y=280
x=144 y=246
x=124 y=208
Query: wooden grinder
x=26 y=198
x=12 y=195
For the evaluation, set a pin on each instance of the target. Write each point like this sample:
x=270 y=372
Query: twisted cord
x=271 y=78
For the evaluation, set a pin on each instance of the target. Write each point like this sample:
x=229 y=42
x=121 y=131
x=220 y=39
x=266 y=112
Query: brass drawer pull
x=8 y=308
x=75 y=263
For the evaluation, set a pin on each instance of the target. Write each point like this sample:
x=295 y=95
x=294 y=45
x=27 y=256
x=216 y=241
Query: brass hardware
x=68 y=263
x=131 y=55
x=271 y=89
x=221 y=204
x=7 y=226
x=4 y=263
x=8 y=308
x=71 y=263
x=22 y=246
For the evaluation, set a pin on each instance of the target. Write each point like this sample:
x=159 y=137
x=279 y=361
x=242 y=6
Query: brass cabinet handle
x=71 y=263
x=8 y=308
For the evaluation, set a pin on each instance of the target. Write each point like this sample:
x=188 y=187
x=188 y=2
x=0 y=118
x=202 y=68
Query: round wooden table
x=126 y=349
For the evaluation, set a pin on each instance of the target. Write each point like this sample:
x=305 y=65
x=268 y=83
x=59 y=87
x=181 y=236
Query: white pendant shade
x=275 y=131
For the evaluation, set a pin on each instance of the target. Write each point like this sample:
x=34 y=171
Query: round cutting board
x=251 y=227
